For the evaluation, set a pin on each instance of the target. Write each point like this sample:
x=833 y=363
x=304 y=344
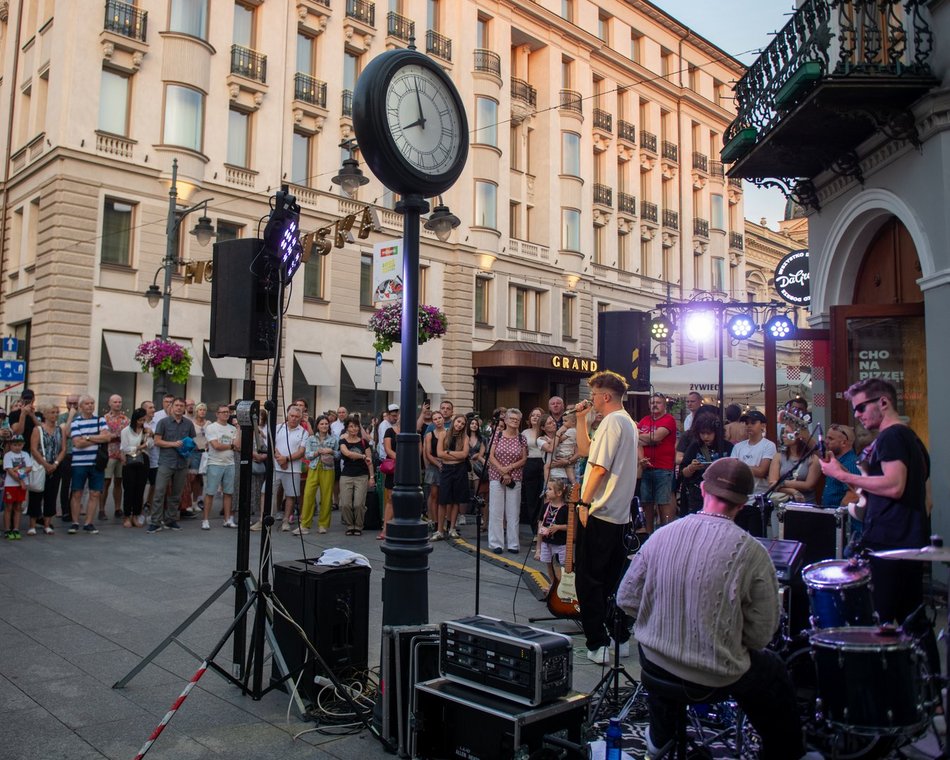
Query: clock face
x=423 y=119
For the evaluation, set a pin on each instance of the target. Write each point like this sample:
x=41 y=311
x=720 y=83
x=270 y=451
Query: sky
x=737 y=26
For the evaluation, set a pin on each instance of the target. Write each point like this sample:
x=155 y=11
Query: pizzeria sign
x=793 y=278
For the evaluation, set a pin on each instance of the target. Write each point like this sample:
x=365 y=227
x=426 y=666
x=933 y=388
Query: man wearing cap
x=704 y=598
x=390 y=417
x=757 y=451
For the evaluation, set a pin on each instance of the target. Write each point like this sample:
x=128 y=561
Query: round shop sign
x=792 y=278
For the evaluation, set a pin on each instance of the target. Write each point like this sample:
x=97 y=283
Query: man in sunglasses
x=896 y=467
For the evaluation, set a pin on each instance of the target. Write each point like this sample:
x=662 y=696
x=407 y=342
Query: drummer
x=897 y=466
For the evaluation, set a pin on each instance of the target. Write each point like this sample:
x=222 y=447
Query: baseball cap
x=730 y=479
x=392 y=408
x=753 y=415
x=17 y=438
x=27 y=394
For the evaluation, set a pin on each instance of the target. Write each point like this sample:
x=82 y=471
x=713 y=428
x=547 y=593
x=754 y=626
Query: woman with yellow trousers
x=321 y=449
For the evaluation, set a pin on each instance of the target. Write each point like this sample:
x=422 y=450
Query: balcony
x=603 y=120
x=362 y=11
x=700 y=162
x=700 y=228
x=347 y=104
x=249 y=64
x=603 y=195
x=648 y=211
x=524 y=99
x=627 y=204
x=648 y=141
x=671 y=220
x=717 y=170
x=627 y=131
x=838 y=72
x=126 y=20
x=571 y=101
x=438 y=45
x=310 y=90
x=670 y=151
x=400 y=27
x=736 y=241
x=487 y=62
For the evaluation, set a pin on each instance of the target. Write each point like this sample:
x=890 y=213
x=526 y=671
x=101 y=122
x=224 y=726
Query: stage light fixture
x=780 y=327
x=282 y=233
x=700 y=326
x=741 y=326
x=661 y=328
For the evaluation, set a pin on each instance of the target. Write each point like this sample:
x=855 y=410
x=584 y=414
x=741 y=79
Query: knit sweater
x=703 y=592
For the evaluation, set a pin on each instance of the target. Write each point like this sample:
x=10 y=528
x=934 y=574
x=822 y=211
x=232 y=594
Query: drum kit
x=864 y=688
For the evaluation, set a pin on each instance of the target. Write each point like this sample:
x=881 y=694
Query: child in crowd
x=566 y=448
x=552 y=529
x=17 y=464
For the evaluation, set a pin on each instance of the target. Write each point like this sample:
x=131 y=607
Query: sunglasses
x=859 y=408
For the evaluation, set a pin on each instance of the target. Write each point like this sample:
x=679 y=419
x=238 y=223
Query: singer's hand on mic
x=582 y=408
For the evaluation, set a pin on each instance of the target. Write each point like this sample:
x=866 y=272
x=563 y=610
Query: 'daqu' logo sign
x=792 y=278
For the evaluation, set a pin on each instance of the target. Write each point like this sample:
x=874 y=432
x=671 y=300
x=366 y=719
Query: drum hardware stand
x=609 y=684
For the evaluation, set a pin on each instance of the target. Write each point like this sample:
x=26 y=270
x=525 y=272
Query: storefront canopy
x=741 y=379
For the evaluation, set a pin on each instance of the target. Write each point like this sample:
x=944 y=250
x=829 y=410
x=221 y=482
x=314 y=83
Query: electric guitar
x=562 y=596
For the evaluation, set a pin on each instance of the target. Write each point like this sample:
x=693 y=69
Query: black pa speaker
x=623 y=346
x=244 y=305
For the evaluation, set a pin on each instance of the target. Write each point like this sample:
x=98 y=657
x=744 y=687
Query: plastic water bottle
x=613 y=740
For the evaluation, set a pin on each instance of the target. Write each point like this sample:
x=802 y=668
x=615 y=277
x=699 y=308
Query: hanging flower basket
x=157 y=356
x=386 y=324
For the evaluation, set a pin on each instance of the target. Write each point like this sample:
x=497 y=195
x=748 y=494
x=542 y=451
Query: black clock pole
x=406 y=580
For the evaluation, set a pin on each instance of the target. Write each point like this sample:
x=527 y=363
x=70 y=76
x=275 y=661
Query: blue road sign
x=10 y=345
x=12 y=371
x=379 y=358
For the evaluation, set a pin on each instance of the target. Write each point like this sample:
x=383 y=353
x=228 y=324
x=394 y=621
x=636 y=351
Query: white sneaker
x=461 y=521
x=31 y=532
x=301 y=531
x=140 y=520
x=48 y=531
x=229 y=523
x=205 y=525
x=257 y=526
x=599 y=656
x=285 y=527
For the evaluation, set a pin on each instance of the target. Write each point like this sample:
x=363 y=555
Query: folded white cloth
x=342 y=557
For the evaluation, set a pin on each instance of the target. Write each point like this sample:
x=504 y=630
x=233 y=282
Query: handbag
x=203 y=463
x=102 y=457
x=387 y=466
x=36 y=482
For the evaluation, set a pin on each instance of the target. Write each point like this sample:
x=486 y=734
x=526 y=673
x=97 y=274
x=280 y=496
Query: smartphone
x=427 y=402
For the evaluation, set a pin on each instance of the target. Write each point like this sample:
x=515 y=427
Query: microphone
x=822 y=449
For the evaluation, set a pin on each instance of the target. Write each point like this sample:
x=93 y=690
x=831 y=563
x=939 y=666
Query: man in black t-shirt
x=896 y=468
x=24 y=420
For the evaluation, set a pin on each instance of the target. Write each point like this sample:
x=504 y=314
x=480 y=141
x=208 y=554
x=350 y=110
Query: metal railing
x=438 y=45
x=603 y=120
x=487 y=61
x=603 y=195
x=400 y=27
x=735 y=182
x=627 y=204
x=248 y=63
x=717 y=170
x=671 y=219
x=648 y=141
x=700 y=227
x=347 y=104
x=670 y=151
x=627 y=131
x=126 y=19
x=736 y=240
x=700 y=161
x=310 y=90
x=521 y=90
x=571 y=100
x=361 y=10
x=648 y=211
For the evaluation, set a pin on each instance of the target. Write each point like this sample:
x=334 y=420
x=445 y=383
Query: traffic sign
x=12 y=371
x=10 y=345
x=379 y=358
x=378 y=375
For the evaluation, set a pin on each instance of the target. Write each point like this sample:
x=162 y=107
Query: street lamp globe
x=203 y=231
x=153 y=295
x=442 y=221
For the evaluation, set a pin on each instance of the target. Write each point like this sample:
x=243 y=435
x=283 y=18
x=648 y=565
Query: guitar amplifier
x=824 y=531
x=517 y=662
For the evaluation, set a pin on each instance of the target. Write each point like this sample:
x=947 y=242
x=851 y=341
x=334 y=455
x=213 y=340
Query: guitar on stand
x=562 y=596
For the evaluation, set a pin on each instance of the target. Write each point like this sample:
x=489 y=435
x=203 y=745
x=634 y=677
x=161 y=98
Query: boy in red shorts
x=17 y=465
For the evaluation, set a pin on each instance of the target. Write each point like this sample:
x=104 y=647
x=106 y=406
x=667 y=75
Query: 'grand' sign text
x=574 y=363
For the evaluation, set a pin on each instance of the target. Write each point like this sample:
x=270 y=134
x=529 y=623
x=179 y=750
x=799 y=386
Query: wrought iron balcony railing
x=521 y=90
x=701 y=227
x=671 y=219
x=670 y=151
x=310 y=90
x=603 y=120
x=438 y=45
x=347 y=104
x=487 y=61
x=736 y=240
x=735 y=182
x=627 y=131
x=627 y=204
x=249 y=63
x=717 y=170
x=700 y=161
x=603 y=195
x=571 y=100
x=648 y=141
x=400 y=27
x=126 y=19
x=648 y=211
x=361 y=10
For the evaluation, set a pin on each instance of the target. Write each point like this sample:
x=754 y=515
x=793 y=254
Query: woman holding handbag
x=134 y=443
x=388 y=468
x=48 y=446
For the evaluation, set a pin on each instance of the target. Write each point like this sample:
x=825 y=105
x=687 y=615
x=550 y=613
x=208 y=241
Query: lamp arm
x=180 y=215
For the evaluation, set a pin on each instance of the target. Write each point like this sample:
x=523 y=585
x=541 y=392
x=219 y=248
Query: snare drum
x=839 y=593
x=871 y=680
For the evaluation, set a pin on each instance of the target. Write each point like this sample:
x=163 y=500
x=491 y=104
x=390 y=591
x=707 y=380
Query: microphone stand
x=478 y=501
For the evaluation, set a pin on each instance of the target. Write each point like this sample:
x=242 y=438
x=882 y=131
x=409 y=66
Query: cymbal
x=926 y=554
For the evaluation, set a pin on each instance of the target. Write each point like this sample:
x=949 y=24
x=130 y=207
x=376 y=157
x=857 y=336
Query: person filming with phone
x=707 y=446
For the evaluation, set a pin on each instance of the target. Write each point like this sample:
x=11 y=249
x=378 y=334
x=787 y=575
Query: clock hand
x=416 y=123
x=420 y=121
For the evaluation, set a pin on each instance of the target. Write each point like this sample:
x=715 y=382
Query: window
x=482 y=302
x=567 y=66
x=238 y=138
x=717 y=92
x=304 y=54
x=482 y=38
x=568 y=302
x=571 y=154
x=366 y=281
x=570 y=229
x=623 y=253
x=514 y=220
x=525 y=309
x=432 y=15
x=486 y=121
x=228 y=231
x=514 y=148
x=114 y=103
x=300 y=159
x=117 y=232
x=645 y=258
x=693 y=77
x=351 y=70
x=486 y=212
x=636 y=45
x=719 y=275
x=313 y=277
x=243 y=26
x=184 y=117
x=718 y=221
x=600 y=245
x=567 y=10
x=189 y=17
x=603 y=28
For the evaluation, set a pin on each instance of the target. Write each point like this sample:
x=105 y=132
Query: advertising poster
x=387 y=272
